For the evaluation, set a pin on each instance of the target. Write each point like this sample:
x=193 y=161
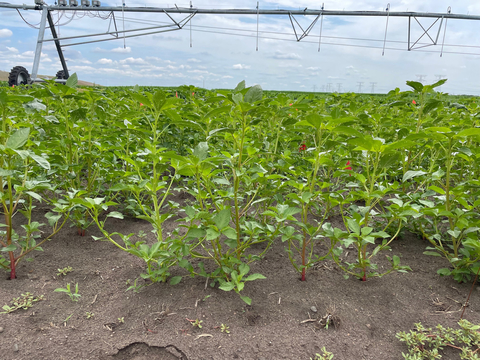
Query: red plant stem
x=364 y=276
x=12 y=266
x=303 y=275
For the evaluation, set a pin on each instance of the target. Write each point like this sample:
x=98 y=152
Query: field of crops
x=220 y=179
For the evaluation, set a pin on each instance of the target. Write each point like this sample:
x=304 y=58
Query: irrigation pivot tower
x=20 y=75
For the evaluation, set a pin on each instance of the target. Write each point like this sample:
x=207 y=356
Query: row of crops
x=254 y=170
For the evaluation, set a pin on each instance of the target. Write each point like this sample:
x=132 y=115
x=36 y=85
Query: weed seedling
x=121 y=320
x=326 y=355
x=224 y=328
x=89 y=315
x=66 y=320
x=196 y=323
x=426 y=343
x=73 y=296
x=25 y=301
x=64 y=271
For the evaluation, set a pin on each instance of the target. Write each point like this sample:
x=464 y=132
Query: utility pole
x=421 y=78
x=360 y=83
x=373 y=87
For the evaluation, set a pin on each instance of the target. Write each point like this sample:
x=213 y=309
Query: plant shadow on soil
x=152 y=324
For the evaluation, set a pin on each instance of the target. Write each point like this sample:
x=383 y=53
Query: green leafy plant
x=224 y=328
x=428 y=343
x=18 y=189
x=74 y=296
x=325 y=355
x=196 y=323
x=64 y=271
x=25 y=301
x=89 y=315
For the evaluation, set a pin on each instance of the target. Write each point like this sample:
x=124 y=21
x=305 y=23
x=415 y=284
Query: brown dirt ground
x=155 y=326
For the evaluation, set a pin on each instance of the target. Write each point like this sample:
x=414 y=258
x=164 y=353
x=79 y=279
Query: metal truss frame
x=299 y=32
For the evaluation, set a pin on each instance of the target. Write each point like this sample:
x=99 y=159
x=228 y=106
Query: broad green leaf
x=415 y=85
x=444 y=272
x=469 y=132
x=230 y=233
x=40 y=160
x=255 y=277
x=201 y=151
x=8 y=248
x=34 y=195
x=196 y=233
x=254 y=94
x=389 y=159
x=18 y=138
x=354 y=226
x=72 y=81
x=240 y=86
x=432 y=253
x=246 y=299
x=175 y=280
x=212 y=234
x=437 y=189
x=315 y=120
x=346 y=130
x=227 y=286
x=4 y=172
x=411 y=174
x=222 y=219
x=115 y=214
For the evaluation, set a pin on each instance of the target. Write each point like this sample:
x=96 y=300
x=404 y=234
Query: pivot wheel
x=18 y=76
x=61 y=75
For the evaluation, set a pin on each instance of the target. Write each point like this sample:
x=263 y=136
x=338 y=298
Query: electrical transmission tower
x=421 y=78
x=440 y=77
x=329 y=87
x=429 y=36
x=339 y=87
x=373 y=86
x=360 y=83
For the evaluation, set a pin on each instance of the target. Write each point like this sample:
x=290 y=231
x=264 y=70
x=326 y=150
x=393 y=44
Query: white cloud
x=122 y=50
x=132 y=60
x=240 y=67
x=286 y=56
x=4 y=33
x=105 y=61
x=227 y=77
x=193 y=60
x=12 y=49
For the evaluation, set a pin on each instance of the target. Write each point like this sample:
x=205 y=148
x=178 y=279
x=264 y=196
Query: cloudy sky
x=219 y=51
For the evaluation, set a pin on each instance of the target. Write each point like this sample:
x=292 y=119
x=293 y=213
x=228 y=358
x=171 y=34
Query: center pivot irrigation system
x=19 y=75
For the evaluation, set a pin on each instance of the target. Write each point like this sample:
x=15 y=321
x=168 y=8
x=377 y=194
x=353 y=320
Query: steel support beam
x=38 y=50
x=177 y=10
x=57 y=45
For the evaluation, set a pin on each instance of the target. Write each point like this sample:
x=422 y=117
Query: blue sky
x=350 y=56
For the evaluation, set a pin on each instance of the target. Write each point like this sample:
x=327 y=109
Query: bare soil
x=156 y=320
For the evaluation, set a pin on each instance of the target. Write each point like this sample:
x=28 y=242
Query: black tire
x=61 y=75
x=18 y=76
